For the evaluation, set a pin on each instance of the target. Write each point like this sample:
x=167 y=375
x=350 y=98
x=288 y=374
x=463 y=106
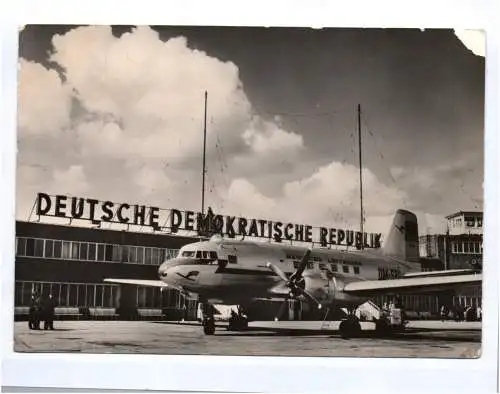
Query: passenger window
x=322 y=266
x=310 y=265
x=198 y=254
x=213 y=255
x=356 y=270
x=334 y=267
x=205 y=255
x=345 y=268
x=232 y=259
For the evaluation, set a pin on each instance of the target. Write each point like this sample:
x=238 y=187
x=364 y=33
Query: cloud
x=431 y=187
x=267 y=138
x=44 y=102
x=144 y=97
x=243 y=197
x=136 y=98
x=327 y=197
x=149 y=93
x=474 y=40
x=72 y=181
x=125 y=118
x=152 y=179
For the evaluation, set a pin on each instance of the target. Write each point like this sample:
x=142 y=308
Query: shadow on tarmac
x=409 y=334
x=426 y=335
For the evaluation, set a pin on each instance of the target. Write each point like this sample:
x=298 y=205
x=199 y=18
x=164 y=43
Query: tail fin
x=402 y=240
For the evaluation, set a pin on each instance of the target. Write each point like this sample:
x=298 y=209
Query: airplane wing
x=146 y=283
x=442 y=273
x=416 y=285
x=137 y=282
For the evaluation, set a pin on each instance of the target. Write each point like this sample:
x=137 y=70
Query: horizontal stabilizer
x=416 y=285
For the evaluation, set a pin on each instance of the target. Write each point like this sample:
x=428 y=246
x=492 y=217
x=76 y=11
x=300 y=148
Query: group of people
x=42 y=308
x=461 y=313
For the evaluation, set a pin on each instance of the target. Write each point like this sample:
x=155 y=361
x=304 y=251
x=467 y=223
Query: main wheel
x=349 y=328
x=382 y=327
x=209 y=327
x=238 y=324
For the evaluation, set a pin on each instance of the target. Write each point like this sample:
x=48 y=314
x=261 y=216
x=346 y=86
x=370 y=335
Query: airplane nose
x=162 y=271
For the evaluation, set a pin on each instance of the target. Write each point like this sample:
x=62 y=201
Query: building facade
x=460 y=248
x=71 y=263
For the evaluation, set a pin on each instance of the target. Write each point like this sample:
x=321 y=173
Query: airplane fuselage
x=235 y=272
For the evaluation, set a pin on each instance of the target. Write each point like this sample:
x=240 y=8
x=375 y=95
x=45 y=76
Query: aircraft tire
x=240 y=324
x=382 y=328
x=209 y=327
x=349 y=328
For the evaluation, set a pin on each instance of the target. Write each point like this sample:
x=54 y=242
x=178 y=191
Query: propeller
x=296 y=283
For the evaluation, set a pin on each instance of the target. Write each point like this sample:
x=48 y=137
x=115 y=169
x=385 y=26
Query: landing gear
x=208 y=320
x=209 y=326
x=238 y=321
x=350 y=327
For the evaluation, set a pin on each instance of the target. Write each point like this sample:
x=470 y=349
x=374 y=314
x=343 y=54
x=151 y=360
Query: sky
x=116 y=113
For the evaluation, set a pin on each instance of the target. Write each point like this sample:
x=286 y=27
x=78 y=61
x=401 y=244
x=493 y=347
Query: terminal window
x=90 y=251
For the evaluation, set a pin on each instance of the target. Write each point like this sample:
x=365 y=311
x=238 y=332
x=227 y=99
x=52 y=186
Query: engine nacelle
x=329 y=289
x=318 y=287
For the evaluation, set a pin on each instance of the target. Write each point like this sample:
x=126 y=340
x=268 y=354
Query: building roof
x=67 y=232
x=461 y=213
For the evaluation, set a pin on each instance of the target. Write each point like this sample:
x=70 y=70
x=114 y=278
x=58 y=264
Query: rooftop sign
x=207 y=224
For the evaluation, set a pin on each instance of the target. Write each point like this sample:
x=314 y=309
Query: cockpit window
x=202 y=256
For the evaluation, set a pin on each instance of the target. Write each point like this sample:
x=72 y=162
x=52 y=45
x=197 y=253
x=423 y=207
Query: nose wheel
x=209 y=326
x=208 y=320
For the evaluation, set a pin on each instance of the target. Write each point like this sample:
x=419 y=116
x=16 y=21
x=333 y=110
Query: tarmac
x=429 y=339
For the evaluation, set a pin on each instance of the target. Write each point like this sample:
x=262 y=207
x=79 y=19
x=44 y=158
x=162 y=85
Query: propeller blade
x=310 y=297
x=302 y=265
x=277 y=271
x=284 y=304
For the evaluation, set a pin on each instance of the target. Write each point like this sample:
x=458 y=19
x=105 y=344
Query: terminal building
x=71 y=263
x=461 y=247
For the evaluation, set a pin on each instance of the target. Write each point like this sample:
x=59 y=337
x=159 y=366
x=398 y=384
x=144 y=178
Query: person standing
x=444 y=313
x=48 y=310
x=34 y=312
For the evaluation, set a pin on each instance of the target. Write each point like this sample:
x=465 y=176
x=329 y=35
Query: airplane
x=239 y=272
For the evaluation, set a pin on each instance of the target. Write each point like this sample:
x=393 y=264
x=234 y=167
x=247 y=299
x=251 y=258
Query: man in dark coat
x=34 y=312
x=48 y=308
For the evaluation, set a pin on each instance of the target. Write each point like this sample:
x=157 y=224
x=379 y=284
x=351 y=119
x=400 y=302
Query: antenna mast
x=204 y=162
x=360 y=177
